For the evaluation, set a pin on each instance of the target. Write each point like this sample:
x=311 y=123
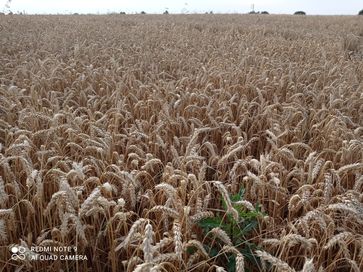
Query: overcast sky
x=176 y=6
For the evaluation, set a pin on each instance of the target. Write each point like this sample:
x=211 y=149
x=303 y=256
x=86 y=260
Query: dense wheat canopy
x=118 y=134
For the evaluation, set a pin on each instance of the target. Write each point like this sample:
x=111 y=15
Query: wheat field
x=129 y=137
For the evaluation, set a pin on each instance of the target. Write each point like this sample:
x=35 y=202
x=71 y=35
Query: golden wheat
x=118 y=134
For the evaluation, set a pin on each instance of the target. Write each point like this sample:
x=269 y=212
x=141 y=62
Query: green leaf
x=191 y=250
x=231 y=267
x=238 y=196
x=248 y=253
x=210 y=223
x=213 y=252
x=251 y=225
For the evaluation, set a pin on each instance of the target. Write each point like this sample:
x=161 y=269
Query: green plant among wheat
x=225 y=234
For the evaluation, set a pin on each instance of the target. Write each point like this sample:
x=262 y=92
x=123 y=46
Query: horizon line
x=211 y=12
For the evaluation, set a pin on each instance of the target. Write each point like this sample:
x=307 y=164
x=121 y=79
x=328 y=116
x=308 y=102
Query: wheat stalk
x=281 y=265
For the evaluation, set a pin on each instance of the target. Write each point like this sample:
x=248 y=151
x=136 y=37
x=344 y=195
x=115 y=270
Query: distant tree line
x=258 y=12
x=300 y=12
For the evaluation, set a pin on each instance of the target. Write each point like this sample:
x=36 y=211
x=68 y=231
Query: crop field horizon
x=181 y=143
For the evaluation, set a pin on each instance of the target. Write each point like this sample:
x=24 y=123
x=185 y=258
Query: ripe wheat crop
x=120 y=134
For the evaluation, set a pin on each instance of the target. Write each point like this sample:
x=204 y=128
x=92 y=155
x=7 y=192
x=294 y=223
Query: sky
x=313 y=7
